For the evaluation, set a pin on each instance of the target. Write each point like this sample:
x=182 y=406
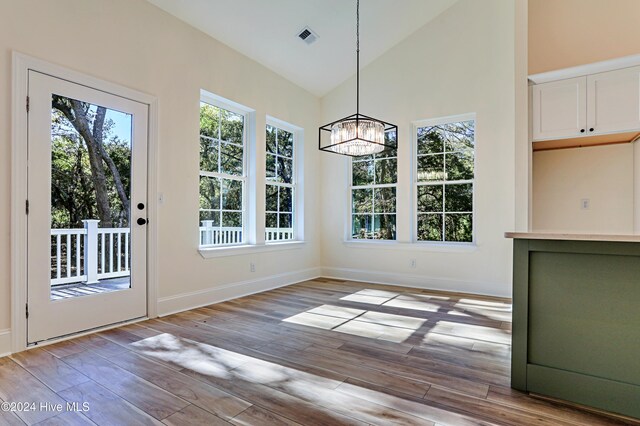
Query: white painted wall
x=461 y=62
x=135 y=44
x=563 y=178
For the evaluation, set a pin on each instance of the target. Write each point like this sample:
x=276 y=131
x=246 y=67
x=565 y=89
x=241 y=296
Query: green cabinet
x=576 y=322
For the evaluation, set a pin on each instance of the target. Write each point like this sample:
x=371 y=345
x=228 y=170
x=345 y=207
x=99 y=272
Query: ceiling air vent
x=307 y=35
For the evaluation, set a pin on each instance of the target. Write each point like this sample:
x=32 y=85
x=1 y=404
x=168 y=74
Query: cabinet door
x=560 y=109
x=613 y=101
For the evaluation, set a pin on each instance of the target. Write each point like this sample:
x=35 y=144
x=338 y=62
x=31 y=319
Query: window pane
x=271 y=167
x=271 y=220
x=388 y=152
x=284 y=172
x=362 y=173
x=430 y=140
x=430 y=198
x=209 y=218
x=209 y=120
x=362 y=200
x=458 y=136
x=457 y=227
x=231 y=159
x=431 y=168
x=362 y=226
x=209 y=193
x=285 y=143
x=271 y=198
x=430 y=227
x=385 y=226
x=459 y=165
x=285 y=220
x=459 y=198
x=231 y=194
x=232 y=219
x=208 y=155
x=271 y=139
x=385 y=200
x=231 y=126
x=445 y=154
x=386 y=171
x=390 y=137
x=286 y=199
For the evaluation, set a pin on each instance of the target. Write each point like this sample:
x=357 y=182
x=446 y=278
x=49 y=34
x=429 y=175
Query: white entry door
x=87 y=201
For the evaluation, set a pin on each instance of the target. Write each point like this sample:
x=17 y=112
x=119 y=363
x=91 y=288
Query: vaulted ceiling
x=266 y=31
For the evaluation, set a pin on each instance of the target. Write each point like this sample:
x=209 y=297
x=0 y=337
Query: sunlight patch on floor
x=360 y=297
x=199 y=357
x=360 y=322
x=375 y=331
x=337 y=311
x=472 y=331
x=417 y=305
x=313 y=320
x=392 y=320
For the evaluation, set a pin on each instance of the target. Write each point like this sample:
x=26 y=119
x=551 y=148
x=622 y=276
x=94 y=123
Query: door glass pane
x=90 y=198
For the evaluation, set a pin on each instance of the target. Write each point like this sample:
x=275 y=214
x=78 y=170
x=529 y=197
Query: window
x=373 y=196
x=222 y=176
x=280 y=185
x=444 y=181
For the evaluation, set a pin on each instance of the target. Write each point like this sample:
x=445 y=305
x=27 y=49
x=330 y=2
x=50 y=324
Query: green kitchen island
x=576 y=319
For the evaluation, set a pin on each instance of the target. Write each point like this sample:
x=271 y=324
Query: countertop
x=572 y=237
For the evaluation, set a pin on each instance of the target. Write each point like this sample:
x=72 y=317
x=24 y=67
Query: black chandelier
x=357 y=135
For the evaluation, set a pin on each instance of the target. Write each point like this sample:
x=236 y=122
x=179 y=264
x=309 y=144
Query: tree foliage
x=90 y=166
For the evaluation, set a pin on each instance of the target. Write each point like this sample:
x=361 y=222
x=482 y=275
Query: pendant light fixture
x=358 y=135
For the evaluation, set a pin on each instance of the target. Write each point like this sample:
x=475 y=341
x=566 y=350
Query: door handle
x=141 y=221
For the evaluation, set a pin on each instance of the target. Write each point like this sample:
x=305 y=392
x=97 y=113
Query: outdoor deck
x=79 y=289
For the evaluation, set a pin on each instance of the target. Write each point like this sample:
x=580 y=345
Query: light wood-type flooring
x=322 y=352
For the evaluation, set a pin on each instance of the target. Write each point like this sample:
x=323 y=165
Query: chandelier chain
x=357 y=56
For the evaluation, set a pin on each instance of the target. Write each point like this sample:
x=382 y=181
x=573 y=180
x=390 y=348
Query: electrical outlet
x=585 y=203
x=412 y=263
x=252 y=267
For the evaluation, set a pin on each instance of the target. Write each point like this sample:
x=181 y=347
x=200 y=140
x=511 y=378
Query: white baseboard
x=183 y=302
x=418 y=281
x=5 y=342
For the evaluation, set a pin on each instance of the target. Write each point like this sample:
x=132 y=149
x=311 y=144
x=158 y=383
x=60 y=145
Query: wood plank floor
x=322 y=352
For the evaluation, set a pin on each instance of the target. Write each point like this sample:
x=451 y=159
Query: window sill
x=212 y=252
x=413 y=246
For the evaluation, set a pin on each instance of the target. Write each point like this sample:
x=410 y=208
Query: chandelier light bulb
x=357 y=137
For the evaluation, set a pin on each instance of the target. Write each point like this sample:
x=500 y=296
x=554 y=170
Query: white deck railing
x=278 y=234
x=89 y=254
x=214 y=235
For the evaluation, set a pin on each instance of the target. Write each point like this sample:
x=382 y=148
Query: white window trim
x=248 y=135
x=225 y=251
x=349 y=231
x=298 y=179
x=441 y=245
x=433 y=246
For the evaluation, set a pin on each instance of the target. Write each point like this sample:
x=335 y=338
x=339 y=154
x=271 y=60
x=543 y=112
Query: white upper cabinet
x=613 y=101
x=589 y=105
x=560 y=109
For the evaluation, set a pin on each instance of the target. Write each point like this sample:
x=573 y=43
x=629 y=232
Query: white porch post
x=208 y=233
x=91 y=250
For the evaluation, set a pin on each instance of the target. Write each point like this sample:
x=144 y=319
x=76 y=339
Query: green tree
x=91 y=167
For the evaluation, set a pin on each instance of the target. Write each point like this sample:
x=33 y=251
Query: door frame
x=19 y=137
